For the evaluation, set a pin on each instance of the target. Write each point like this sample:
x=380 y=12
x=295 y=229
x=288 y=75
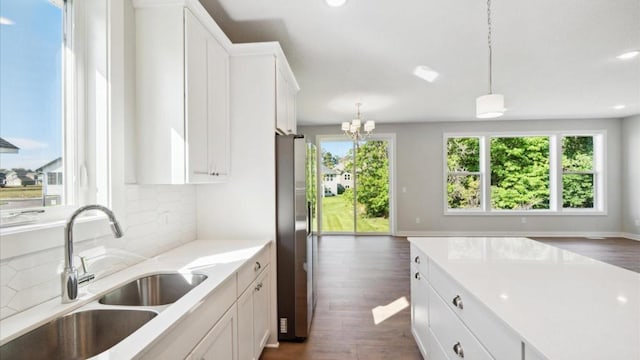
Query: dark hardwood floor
x=360 y=273
x=356 y=275
x=621 y=252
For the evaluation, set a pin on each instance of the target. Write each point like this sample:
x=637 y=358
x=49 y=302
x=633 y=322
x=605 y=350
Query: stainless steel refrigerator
x=296 y=235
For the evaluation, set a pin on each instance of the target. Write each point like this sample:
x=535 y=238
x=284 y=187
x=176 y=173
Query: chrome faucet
x=70 y=278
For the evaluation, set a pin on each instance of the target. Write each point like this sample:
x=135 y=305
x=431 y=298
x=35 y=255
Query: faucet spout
x=70 y=272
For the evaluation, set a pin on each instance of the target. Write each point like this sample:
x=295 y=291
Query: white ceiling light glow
x=426 y=73
x=492 y=105
x=629 y=55
x=336 y=3
x=618 y=107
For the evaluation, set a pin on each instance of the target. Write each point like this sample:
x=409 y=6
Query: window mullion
x=485 y=161
x=555 y=172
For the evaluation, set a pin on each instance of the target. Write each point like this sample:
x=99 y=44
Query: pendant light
x=491 y=105
x=352 y=129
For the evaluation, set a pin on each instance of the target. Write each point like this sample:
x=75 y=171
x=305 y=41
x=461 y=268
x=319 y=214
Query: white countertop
x=565 y=305
x=218 y=259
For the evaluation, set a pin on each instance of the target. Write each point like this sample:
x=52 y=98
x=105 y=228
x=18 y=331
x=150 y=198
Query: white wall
x=419 y=169
x=631 y=175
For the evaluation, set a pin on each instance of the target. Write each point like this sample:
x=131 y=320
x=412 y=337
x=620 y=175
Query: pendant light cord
x=489 y=43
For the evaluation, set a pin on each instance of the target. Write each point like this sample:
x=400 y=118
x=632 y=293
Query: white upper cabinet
x=286 y=91
x=182 y=93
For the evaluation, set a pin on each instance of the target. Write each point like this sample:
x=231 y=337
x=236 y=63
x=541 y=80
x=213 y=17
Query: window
x=31 y=98
x=578 y=175
x=532 y=173
x=54 y=108
x=329 y=177
x=347 y=176
x=520 y=173
x=463 y=173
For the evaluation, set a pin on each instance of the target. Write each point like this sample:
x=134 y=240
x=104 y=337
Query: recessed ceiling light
x=629 y=55
x=618 y=107
x=425 y=73
x=5 y=21
x=335 y=3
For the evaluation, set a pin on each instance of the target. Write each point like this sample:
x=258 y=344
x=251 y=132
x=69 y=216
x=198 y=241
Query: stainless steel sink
x=76 y=336
x=152 y=290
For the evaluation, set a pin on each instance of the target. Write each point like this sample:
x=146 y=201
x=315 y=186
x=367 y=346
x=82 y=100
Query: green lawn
x=337 y=215
x=21 y=192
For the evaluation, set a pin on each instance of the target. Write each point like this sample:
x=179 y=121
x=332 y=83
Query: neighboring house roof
x=326 y=171
x=7 y=147
x=50 y=163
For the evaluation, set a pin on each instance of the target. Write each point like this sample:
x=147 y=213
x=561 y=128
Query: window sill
x=30 y=238
x=526 y=213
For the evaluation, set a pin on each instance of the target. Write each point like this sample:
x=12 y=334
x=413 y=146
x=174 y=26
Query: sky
x=337 y=147
x=30 y=81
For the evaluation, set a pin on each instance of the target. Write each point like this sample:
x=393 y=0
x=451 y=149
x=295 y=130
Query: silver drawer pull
x=417 y=260
x=417 y=275
x=457 y=302
x=257 y=266
x=457 y=348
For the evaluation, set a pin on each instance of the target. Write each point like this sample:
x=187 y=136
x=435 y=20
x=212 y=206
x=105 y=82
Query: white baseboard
x=518 y=233
x=272 y=346
x=631 y=236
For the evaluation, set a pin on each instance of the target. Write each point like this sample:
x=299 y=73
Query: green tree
x=372 y=178
x=520 y=173
x=577 y=159
x=463 y=155
x=329 y=160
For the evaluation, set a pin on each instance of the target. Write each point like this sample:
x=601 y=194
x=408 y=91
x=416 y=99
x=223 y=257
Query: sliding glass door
x=354 y=191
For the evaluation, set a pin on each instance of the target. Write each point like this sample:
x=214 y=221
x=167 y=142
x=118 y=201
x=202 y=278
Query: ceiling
x=552 y=59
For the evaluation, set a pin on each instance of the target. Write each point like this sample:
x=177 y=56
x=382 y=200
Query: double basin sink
x=83 y=334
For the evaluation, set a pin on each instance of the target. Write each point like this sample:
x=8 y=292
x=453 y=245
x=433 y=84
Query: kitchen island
x=515 y=298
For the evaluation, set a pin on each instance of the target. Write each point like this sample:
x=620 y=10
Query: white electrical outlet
x=404 y=189
x=637 y=222
x=523 y=220
x=417 y=220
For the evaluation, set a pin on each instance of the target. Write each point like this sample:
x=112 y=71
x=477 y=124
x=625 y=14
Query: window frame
x=555 y=173
x=80 y=59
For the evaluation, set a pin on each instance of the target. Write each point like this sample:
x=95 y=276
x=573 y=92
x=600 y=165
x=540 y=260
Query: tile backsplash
x=158 y=218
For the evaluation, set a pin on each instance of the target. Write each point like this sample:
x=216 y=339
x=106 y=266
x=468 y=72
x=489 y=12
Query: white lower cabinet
x=253 y=317
x=225 y=325
x=221 y=342
x=448 y=322
x=419 y=308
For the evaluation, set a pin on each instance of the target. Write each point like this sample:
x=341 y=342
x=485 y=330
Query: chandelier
x=490 y=105
x=352 y=129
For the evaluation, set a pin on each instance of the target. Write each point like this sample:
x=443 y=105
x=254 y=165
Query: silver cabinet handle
x=457 y=302
x=417 y=260
x=258 y=287
x=457 y=348
x=257 y=266
x=417 y=275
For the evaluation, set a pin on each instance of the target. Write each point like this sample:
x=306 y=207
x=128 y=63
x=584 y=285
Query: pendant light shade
x=489 y=106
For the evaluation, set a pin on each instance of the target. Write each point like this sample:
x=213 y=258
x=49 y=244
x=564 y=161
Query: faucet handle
x=86 y=276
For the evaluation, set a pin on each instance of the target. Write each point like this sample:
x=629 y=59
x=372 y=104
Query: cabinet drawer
x=451 y=332
x=419 y=260
x=250 y=271
x=502 y=342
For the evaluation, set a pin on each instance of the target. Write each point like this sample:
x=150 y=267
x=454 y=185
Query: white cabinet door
x=282 y=95
x=261 y=306
x=220 y=343
x=196 y=37
x=218 y=109
x=420 y=309
x=245 y=325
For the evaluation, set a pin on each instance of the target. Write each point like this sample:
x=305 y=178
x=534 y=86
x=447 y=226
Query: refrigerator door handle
x=308 y=217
